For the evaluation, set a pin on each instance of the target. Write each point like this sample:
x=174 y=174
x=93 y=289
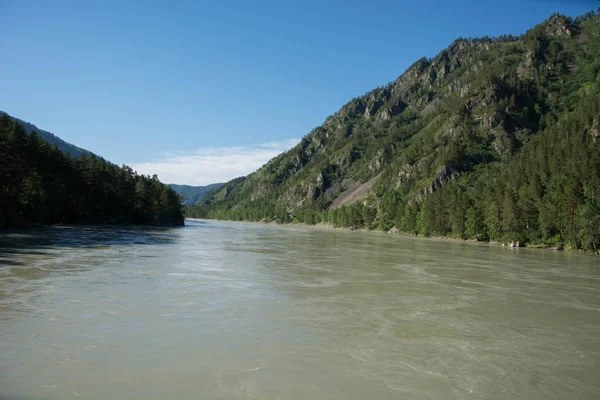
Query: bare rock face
x=315 y=188
x=389 y=112
x=504 y=144
x=465 y=90
x=490 y=92
x=493 y=120
x=376 y=100
x=297 y=161
x=444 y=174
x=258 y=191
x=375 y=164
x=343 y=131
x=431 y=108
x=385 y=115
x=405 y=86
x=594 y=131
x=452 y=129
x=406 y=173
x=318 y=142
x=355 y=107
x=558 y=25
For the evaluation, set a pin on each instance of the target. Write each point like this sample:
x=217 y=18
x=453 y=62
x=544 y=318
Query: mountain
x=492 y=139
x=193 y=194
x=51 y=138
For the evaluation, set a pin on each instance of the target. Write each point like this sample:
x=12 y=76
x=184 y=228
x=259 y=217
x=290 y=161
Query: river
x=223 y=310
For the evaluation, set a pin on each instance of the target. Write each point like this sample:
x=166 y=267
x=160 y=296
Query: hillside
x=40 y=184
x=193 y=194
x=50 y=138
x=492 y=139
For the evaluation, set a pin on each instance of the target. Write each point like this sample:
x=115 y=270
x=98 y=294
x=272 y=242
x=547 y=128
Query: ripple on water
x=240 y=310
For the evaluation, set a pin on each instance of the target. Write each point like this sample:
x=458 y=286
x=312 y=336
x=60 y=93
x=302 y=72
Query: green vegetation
x=41 y=184
x=493 y=140
x=193 y=194
x=49 y=137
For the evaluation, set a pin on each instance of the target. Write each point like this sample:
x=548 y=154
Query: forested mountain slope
x=41 y=184
x=193 y=194
x=51 y=138
x=493 y=139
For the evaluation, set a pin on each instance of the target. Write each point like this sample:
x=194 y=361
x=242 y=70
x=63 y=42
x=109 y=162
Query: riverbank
x=326 y=226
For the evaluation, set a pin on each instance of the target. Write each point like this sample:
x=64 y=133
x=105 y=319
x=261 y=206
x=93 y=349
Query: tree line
x=42 y=185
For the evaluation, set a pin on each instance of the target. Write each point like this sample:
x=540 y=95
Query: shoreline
x=330 y=227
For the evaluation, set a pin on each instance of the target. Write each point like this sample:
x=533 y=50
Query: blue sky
x=194 y=90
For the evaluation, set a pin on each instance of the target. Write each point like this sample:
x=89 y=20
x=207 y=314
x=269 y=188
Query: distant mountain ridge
x=50 y=137
x=193 y=194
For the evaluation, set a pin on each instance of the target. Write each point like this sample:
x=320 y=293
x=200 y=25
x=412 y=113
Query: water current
x=223 y=310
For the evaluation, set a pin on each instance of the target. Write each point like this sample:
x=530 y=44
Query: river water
x=222 y=310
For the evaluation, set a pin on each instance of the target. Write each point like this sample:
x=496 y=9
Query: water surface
x=222 y=310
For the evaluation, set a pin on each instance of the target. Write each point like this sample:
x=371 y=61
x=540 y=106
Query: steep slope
x=50 y=138
x=474 y=143
x=193 y=194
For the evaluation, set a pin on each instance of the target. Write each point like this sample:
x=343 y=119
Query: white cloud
x=211 y=165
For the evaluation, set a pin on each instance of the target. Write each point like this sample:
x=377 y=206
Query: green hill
x=40 y=184
x=492 y=139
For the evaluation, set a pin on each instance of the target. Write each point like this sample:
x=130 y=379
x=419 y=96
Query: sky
x=202 y=92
